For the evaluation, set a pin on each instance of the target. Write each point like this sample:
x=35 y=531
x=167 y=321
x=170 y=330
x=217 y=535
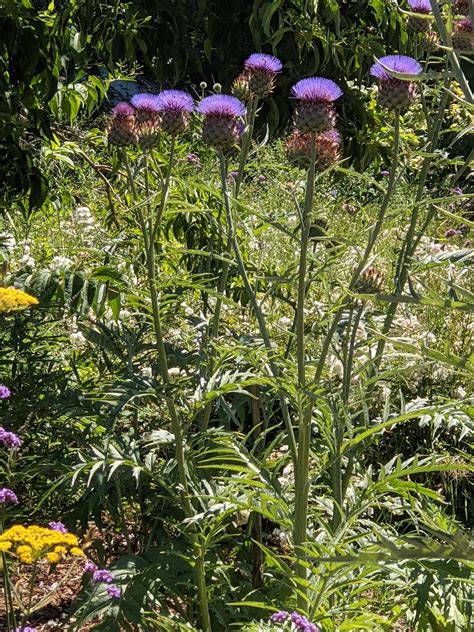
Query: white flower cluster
x=86 y=224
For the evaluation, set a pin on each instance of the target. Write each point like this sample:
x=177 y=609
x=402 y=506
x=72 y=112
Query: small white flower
x=77 y=339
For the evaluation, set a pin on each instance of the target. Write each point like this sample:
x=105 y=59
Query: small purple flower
x=174 y=101
x=90 y=567
x=316 y=89
x=262 y=178
x=57 y=526
x=420 y=6
x=266 y=63
x=452 y=232
x=7 y=496
x=279 y=617
x=384 y=173
x=25 y=629
x=4 y=392
x=457 y=191
x=233 y=174
x=114 y=591
x=192 y=159
x=9 y=439
x=334 y=193
x=102 y=576
x=222 y=106
x=301 y=623
x=397 y=63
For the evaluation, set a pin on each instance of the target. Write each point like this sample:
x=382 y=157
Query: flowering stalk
x=9 y=603
x=255 y=305
x=150 y=233
x=305 y=405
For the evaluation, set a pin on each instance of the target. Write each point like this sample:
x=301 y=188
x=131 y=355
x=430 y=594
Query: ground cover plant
x=236 y=362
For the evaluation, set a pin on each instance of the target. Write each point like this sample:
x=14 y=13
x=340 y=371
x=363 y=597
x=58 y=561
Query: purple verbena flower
x=9 y=439
x=299 y=621
x=7 y=496
x=221 y=105
x=233 y=174
x=262 y=178
x=102 y=576
x=266 y=63
x=113 y=591
x=90 y=567
x=384 y=173
x=420 y=6
x=401 y=64
x=4 y=392
x=25 y=629
x=457 y=191
x=57 y=526
x=279 y=617
x=452 y=232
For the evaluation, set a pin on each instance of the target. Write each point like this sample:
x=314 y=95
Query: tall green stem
x=9 y=603
x=256 y=308
x=150 y=233
x=214 y=328
x=305 y=403
x=368 y=250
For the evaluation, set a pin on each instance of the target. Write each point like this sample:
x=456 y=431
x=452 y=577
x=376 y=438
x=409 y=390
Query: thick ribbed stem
x=305 y=403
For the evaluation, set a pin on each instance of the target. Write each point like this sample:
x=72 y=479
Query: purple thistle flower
x=122 y=110
x=102 y=576
x=113 y=591
x=221 y=127
x=279 y=617
x=222 y=106
x=146 y=102
x=57 y=526
x=398 y=63
x=266 y=63
x=395 y=93
x=90 y=567
x=420 y=6
x=174 y=101
x=316 y=89
x=4 y=392
x=7 y=496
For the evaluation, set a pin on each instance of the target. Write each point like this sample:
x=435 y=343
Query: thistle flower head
x=9 y=439
x=265 y=63
x=122 y=110
x=420 y=6
x=12 y=300
x=4 y=392
x=316 y=89
x=401 y=64
x=7 y=496
x=145 y=102
x=174 y=101
x=241 y=86
x=222 y=106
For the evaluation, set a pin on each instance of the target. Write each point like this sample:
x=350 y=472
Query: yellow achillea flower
x=12 y=300
x=33 y=543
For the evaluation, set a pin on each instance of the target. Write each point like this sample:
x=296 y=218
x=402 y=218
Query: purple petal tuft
x=398 y=63
x=420 y=6
x=266 y=63
x=174 y=101
x=221 y=105
x=145 y=101
x=316 y=89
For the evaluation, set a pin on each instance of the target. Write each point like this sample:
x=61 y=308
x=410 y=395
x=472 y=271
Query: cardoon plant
x=396 y=92
x=175 y=107
x=220 y=128
x=147 y=119
x=122 y=130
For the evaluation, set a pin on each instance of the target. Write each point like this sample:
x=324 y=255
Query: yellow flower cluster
x=33 y=543
x=12 y=300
